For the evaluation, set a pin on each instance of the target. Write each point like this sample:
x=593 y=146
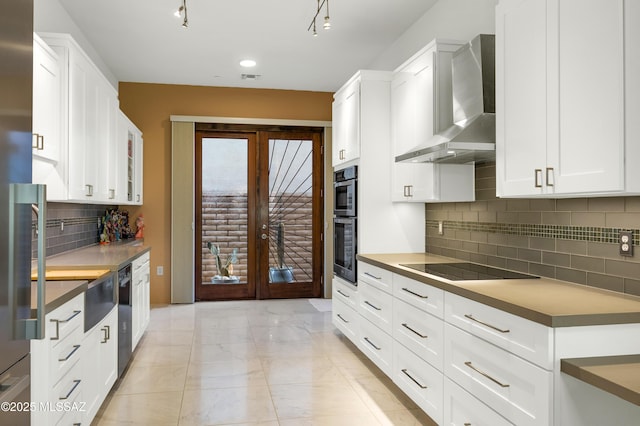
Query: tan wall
x=149 y=106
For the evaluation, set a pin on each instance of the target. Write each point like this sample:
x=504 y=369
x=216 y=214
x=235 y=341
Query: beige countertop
x=619 y=375
x=57 y=293
x=547 y=301
x=109 y=256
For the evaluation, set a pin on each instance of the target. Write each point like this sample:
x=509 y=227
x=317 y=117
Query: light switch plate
x=626 y=243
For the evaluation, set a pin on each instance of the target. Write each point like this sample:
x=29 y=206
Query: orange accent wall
x=150 y=106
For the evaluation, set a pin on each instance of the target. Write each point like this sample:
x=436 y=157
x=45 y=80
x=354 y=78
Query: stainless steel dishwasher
x=124 y=318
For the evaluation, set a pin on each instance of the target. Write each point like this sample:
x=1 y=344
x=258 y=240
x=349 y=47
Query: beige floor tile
x=291 y=370
x=364 y=419
x=151 y=355
x=211 y=336
x=405 y=418
x=222 y=406
x=142 y=409
x=281 y=334
x=149 y=379
x=167 y=338
x=223 y=352
x=225 y=374
x=381 y=394
x=314 y=400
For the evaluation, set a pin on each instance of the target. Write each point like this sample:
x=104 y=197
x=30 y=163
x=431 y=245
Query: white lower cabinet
x=419 y=331
x=100 y=362
x=140 y=305
x=376 y=345
x=520 y=391
x=419 y=380
x=56 y=367
x=345 y=319
x=462 y=409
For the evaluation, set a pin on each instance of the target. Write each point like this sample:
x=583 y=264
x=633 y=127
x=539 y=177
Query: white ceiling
x=142 y=41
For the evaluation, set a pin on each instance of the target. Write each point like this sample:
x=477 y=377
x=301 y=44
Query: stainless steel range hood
x=473 y=136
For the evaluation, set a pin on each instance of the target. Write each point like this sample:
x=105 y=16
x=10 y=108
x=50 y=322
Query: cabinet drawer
x=65 y=354
x=376 y=345
x=140 y=261
x=419 y=380
x=530 y=340
x=63 y=321
x=421 y=295
x=377 y=277
x=67 y=391
x=515 y=388
x=345 y=319
x=376 y=306
x=419 y=331
x=347 y=293
x=461 y=408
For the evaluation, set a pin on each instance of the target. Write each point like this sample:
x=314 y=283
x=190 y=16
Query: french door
x=259 y=214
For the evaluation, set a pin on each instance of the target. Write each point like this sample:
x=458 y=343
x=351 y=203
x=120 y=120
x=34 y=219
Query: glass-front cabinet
x=131 y=145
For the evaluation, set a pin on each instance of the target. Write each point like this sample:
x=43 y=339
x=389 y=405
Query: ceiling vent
x=250 y=76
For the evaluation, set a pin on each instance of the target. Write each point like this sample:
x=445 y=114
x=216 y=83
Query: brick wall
x=224 y=222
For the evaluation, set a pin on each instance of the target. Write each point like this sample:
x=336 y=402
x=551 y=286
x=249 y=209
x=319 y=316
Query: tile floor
x=277 y=362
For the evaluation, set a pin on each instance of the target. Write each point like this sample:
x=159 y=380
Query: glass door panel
x=225 y=234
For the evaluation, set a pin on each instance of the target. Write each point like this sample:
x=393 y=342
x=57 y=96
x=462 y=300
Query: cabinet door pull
x=106 y=337
x=373 y=306
x=89 y=192
x=35 y=138
x=344 y=294
x=471 y=366
x=112 y=194
x=549 y=179
x=412 y=330
x=414 y=293
x=486 y=324
x=404 y=370
x=372 y=276
x=76 y=383
x=538 y=176
x=408 y=191
x=57 y=336
x=75 y=348
x=371 y=343
x=343 y=320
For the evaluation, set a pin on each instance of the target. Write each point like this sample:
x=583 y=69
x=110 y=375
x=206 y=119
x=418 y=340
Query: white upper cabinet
x=421 y=105
x=567 y=92
x=86 y=109
x=130 y=154
x=46 y=102
x=346 y=122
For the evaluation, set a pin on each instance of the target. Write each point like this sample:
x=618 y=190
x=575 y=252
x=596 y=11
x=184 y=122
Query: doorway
x=259 y=214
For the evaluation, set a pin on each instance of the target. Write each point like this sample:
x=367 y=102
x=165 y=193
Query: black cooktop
x=465 y=271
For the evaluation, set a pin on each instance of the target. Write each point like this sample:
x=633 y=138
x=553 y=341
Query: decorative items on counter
x=115 y=226
x=140 y=227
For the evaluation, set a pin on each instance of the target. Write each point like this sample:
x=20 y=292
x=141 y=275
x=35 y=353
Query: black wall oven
x=345 y=223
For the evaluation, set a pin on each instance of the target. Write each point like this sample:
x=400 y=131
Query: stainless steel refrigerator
x=21 y=204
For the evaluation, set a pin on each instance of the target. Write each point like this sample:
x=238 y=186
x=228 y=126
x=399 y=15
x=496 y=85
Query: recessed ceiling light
x=247 y=63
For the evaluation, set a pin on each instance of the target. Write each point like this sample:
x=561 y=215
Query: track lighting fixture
x=327 y=20
x=183 y=10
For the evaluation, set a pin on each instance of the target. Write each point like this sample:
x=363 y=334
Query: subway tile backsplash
x=71 y=226
x=569 y=239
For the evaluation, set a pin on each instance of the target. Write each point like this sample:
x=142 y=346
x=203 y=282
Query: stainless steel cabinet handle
x=75 y=348
x=35 y=137
x=470 y=365
x=343 y=320
x=112 y=194
x=138 y=198
x=344 y=294
x=412 y=330
x=408 y=190
x=40 y=142
x=485 y=324
x=414 y=293
x=89 y=192
x=372 y=344
x=404 y=370
x=341 y=155
x=373 y=306
x=549 y=179
x=76 y=383
x=105 y=338
x=538 y=176
x=57 y=336
x=372 y=276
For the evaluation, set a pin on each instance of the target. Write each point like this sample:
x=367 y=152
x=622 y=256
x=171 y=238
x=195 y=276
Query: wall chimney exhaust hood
x=473 y=136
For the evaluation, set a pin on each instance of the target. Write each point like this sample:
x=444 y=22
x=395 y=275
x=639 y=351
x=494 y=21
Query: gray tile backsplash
x=71 y=226
x=569 y=239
